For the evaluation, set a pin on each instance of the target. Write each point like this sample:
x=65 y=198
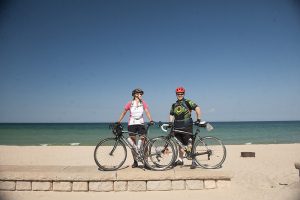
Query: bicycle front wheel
x=159 y=154
x=210 y=153
x=110 y=154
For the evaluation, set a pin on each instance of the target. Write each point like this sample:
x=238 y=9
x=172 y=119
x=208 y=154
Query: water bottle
x=189 y=146
x=140 y=142
x=132 y=143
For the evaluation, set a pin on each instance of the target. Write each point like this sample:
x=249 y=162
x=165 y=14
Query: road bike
x=111 y=153
x=209 y=152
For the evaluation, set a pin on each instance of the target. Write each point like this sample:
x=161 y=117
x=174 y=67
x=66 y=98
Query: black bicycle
x=111 y=153
x=209 y=152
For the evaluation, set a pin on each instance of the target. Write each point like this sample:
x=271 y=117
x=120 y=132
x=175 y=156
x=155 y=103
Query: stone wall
x=108 y=186
x=90 y=179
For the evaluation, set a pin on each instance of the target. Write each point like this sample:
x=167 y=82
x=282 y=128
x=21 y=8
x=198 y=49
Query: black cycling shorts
x=139 y=129
x=183 y=137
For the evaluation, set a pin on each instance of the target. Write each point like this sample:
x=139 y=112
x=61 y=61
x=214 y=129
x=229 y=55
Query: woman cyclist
x=136 y=107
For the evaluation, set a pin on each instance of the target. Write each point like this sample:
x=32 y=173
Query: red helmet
x=180 y=90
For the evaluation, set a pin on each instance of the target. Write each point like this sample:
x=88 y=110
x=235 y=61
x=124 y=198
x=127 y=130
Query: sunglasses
x=179 y=94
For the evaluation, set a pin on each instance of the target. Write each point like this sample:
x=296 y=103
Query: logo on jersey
x=179 y=110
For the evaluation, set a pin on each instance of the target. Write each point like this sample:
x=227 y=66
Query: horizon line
x=154 y=121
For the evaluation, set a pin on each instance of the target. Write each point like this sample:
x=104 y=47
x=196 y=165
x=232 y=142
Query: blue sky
x=78 y=61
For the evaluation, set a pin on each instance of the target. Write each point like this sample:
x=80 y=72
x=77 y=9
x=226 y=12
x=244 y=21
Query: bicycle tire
x=210 y=152
x=110 y=154
x=156 y=156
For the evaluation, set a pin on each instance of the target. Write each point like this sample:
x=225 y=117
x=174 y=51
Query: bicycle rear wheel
x=159 y=154
x=110 y=154
x=210 y=153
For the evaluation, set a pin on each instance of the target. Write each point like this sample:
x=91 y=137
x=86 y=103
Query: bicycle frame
x=211 y=147
x=137 y=151
x=194 y=136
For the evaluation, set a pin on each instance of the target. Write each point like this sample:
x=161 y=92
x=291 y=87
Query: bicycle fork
x=114 y=148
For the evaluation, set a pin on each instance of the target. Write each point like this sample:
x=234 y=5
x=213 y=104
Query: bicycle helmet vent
x=180 y=90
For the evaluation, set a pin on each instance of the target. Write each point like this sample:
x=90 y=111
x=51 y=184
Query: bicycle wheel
x=159 y=154
x=210 y=153
x=110 y=154
x=174 y=144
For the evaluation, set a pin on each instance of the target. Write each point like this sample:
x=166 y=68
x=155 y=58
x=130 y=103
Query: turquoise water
x=90 y=133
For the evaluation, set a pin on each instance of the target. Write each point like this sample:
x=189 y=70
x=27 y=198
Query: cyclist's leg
x=185 y=142
x=180 y=137
x=133 y=129
x=184 y=139
x=142 y=133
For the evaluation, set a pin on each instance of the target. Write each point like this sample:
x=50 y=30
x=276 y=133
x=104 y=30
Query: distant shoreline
x=250 y=121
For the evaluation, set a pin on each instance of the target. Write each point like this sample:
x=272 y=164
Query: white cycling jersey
x=136 y=112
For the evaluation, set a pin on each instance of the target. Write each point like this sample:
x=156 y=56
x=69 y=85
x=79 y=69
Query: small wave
x=74 y=144
x=248 y=143
x=44 y=145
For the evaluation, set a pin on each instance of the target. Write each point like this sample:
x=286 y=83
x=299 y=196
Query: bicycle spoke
x=109 y=154
x=209 y=152
x=160 y=154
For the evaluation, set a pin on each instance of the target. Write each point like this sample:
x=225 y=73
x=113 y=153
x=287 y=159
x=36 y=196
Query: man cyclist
x=136 y=121
x=180 y=118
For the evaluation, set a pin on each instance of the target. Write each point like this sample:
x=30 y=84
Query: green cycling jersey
x=181 y=110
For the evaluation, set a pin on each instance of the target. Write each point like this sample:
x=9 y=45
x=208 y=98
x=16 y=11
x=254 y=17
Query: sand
x=270 y=175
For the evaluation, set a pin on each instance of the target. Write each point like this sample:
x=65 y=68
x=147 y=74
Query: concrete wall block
x=194 y=184
x=137 y=186
x=41 y=186
x=62 y=186
x=159 y=185
x=210 y=184
x=223 y=183
x=7 y=185
x=178 y=185
x=23 y=185
x=120 y=186
x=80 y=186
x=102 y=186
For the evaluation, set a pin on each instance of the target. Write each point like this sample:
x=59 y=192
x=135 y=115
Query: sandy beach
x=270 y=175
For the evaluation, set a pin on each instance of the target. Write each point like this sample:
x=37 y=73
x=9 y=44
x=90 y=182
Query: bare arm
x=171 y=118
x=122 y=115
x=148 y=114
x=198 y=112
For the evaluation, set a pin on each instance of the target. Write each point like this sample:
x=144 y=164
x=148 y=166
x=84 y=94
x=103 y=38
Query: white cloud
x=211 y=110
